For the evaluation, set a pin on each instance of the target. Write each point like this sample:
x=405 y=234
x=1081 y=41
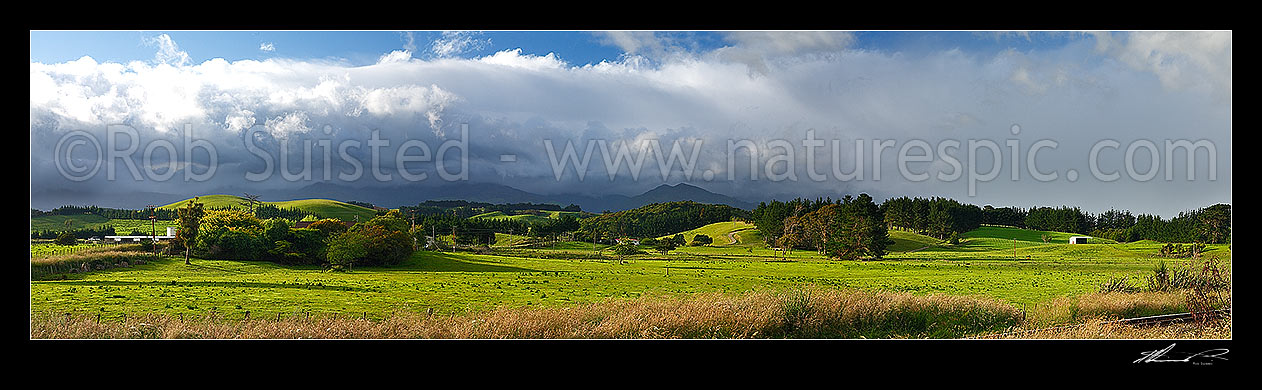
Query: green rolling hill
x=324 y=208
x=722 y=232
x=535 y=217
x=905 y=241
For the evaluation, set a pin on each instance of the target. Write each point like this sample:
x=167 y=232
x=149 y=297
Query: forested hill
x=661 y=218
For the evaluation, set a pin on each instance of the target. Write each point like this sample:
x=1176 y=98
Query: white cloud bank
x=762 y=87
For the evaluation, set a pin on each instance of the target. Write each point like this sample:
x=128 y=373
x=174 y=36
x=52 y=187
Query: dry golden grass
x=812 y=313
x=1104 y=329
x=1111 y=305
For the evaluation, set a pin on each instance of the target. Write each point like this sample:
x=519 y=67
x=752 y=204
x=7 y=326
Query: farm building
x=170 y=235
x=1079 y=239
x=631 y=241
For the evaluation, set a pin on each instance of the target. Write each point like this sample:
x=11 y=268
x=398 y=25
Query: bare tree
x=250 y=200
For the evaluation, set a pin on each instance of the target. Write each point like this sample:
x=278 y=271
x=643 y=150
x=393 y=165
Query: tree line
x=81 y=233
x=464 y=208
x=472 y=231
x=658 y=219
x=848 y=228
x=1208 y=225
x=111 y=213
x=936 y=217
x=261 y=210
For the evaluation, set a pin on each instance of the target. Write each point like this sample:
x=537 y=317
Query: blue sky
x=365 y=47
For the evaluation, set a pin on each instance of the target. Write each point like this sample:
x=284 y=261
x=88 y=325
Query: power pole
x=153 y=226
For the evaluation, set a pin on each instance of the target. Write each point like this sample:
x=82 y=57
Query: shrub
x=237 y=245
x=1116 y=284
x=624 y=249
x=276 y=229
x=664 y=245
x=383 y=240
x=65 y=238
x=330 y=227
x=345 y=249
x=231 y=235
x=702 y=240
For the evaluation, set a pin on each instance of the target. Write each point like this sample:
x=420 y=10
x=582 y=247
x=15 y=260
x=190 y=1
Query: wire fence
x=47 y=249
x=1138 y=321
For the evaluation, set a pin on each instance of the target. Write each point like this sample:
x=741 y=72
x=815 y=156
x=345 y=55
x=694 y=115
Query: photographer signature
x=1203 y=357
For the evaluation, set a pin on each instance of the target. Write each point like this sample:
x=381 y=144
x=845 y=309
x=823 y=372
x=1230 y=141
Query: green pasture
x=121 y=226
x=560 y=275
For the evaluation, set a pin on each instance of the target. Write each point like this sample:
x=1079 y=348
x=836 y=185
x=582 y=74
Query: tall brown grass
x=810 y=313
x=91 y=260
x=1109 y=305
x=1104 y=329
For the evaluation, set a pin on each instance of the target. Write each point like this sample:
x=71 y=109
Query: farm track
x=731 y=236
x=1138 y=321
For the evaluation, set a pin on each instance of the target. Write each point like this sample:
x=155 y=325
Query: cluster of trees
x=259 y=209
x=82 y=233
x=464 y=208
x=268 y=211
x=659 y=219
x=468 y=231
x=162 y=214
x=769 y=217
x=383 y=240
x=850 y=228
x=818 y=224
x=1211 y=225
x=666 y=244
x=474 y=231
x=1003 y=216
x=940 y=218
x=701 y=240
x=1059 y=219
x=236 y=234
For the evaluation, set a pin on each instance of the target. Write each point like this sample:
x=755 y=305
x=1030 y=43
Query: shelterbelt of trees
x=262 y=210
x=464 y=208
x=1209 y=225
x=814 y=224
x=657 y=220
